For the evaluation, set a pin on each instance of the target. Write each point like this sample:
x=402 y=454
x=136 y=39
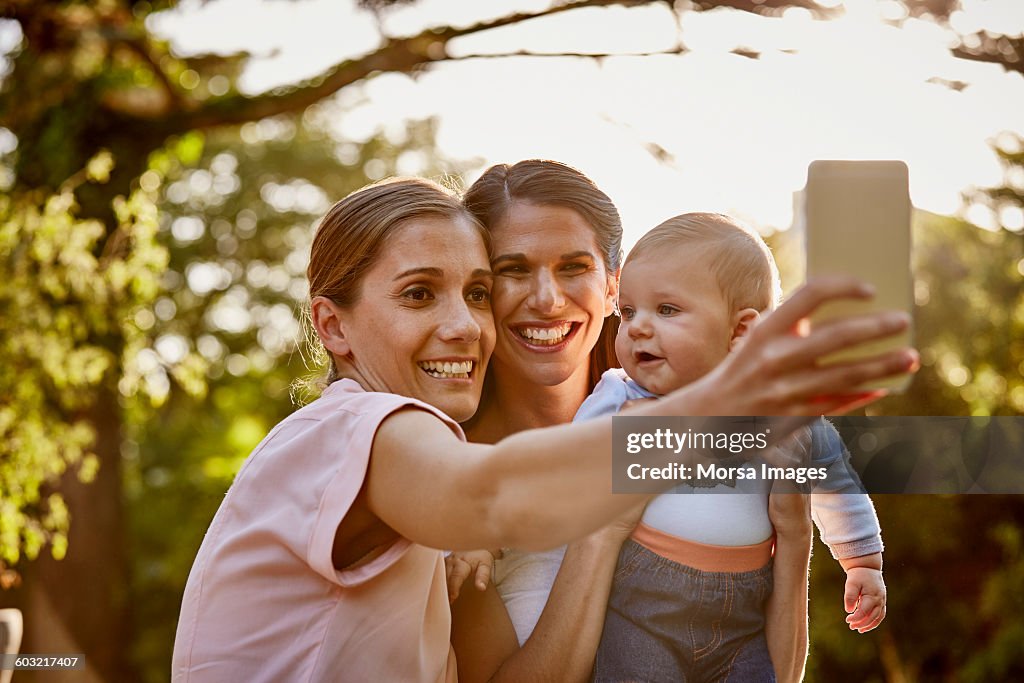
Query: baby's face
x=676 y=324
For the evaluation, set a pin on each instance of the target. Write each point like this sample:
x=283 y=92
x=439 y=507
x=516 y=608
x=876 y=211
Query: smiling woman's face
x=551 y=294
x=422 y=325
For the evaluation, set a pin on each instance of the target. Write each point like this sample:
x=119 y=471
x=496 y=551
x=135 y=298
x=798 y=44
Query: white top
x=726 y=516
x=524 y=581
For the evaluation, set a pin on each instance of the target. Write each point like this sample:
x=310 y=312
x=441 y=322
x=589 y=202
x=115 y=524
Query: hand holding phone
x=857 y=219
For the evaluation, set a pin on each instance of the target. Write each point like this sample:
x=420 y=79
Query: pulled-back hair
x=552 y=183
x=742 y=263
x=349 y=238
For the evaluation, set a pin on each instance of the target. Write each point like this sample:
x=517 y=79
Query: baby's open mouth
x=547 y=336
x=447 y=369
x=644 y=357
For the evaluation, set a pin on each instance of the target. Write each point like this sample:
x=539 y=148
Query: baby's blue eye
x=665 y=309
x=627 y=313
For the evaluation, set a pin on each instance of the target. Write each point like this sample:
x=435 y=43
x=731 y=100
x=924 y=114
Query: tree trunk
x=79 y=605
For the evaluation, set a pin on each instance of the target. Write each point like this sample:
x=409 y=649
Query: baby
x=689 y=593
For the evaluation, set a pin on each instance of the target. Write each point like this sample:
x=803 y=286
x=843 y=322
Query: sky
x=738 y=133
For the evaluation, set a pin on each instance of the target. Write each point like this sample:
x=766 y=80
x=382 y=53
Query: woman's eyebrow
x=508 y=257
x=577 y=254
x=438 y=273
x=565 y=257
x=432 y=272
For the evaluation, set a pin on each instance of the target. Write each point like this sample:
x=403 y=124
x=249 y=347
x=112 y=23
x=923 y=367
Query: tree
x=89 y=88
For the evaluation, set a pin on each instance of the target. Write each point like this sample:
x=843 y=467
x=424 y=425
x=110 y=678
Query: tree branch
x=592 y=55
x=449 y=32
x=1006 y=51
x=399 y=55
x=140 y=47
x=759 y=6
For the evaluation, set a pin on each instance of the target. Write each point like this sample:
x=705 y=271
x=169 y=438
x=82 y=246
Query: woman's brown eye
x=479 y=296
x=417 y=294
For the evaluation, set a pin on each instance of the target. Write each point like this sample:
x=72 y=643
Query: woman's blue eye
x=574 y=267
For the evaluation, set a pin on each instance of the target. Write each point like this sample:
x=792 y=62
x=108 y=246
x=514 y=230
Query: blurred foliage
x=66 y=292
x=969 y=290
x=954 y=569
x=969 y=322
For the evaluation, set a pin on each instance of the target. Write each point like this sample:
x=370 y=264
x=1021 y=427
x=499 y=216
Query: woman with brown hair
x=556 y=251
x=319 y=563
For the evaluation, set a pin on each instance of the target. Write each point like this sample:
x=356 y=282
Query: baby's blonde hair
x=742 y=263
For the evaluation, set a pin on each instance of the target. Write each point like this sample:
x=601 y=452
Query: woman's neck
x=513 y=404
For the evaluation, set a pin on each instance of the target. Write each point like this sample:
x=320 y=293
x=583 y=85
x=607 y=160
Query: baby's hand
x=864 y=598
x=458 y=565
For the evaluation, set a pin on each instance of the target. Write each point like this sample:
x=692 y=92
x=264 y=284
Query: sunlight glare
x=708 y=130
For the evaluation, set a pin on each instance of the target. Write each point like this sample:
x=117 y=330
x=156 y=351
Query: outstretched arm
x=514 y=493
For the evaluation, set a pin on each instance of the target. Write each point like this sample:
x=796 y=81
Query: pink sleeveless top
x=263 y=600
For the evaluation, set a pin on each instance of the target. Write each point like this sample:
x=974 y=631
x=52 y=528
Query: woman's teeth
x=545 y=336
x=445 y=370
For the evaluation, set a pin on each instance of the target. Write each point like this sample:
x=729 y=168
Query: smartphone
x=857 y=222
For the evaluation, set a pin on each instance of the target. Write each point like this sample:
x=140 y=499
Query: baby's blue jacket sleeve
x=614 y=389
x=843 y=513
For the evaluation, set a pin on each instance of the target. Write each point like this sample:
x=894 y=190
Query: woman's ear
x=611 y=298
x=327 y=321
x=743 y=322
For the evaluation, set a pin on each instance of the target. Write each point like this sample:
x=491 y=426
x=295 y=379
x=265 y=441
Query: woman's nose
x=459 y=324
x=546 y=296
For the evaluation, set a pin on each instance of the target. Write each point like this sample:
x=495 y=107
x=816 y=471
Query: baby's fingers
x=867 y=614
x=457 y=575
x=876 y=621
x=851 y=596
x=483 y=575
x=871 y=621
